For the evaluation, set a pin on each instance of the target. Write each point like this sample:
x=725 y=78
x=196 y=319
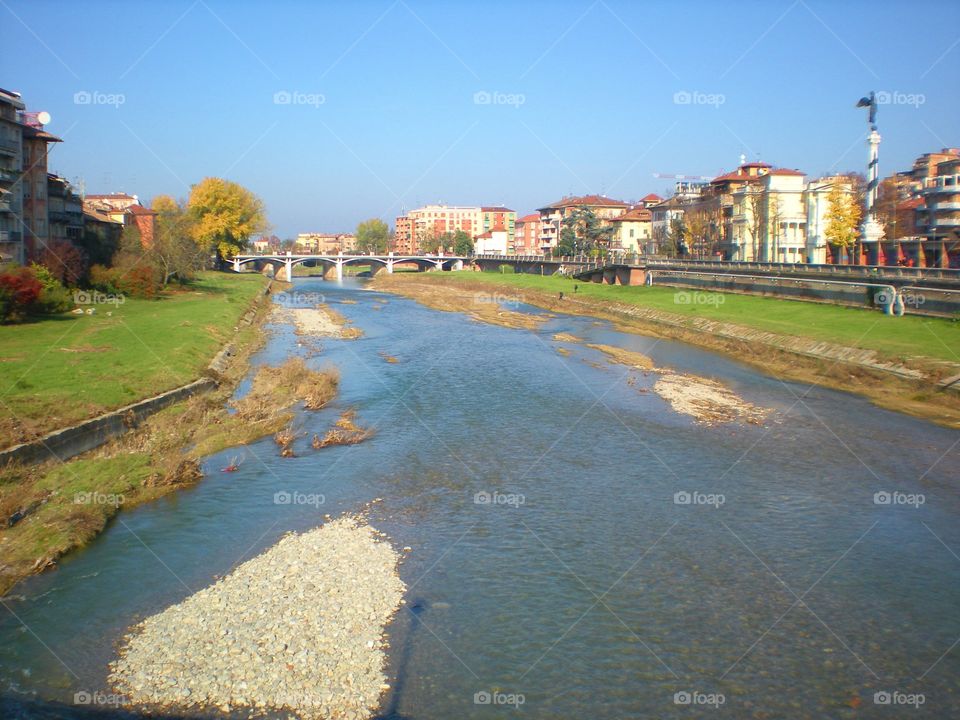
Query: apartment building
x=35 y=214
x=64 y=211
x=526 y=237
x=418 y=226
x=499 y=219
x=11 y=162
x=941 y=216
x=553 y=215
x=404 y=241
x=326 y=243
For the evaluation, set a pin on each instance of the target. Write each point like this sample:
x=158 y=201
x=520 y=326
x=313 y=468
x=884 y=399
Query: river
x=554 y=570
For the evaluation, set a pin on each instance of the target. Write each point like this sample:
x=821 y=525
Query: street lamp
x=872 y=230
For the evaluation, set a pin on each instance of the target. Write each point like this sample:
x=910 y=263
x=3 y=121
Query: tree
x=896 y=218
x=432 y=242
x=582 y=232
x=66 y=263
x=174 y=252
x=225 y=215
x=462 y=243
x=676 y=234
x=698 y=225
x=774 y=222
x=843 y=218
x=373 y=236
x=758 y=211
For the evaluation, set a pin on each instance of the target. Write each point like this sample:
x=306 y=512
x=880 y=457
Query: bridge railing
x=554 y=259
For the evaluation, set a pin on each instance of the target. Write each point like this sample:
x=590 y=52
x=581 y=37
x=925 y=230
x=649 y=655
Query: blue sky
x=396 y=104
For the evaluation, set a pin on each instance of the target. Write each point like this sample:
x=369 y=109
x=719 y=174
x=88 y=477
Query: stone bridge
x=334 y=264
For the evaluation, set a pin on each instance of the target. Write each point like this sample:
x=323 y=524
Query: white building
x=769 y=218
x=493 y=242
x=817 y=204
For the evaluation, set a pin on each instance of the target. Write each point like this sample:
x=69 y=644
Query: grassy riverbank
x=930 y=347
x=58 y=507
x=907 y=336
x=60 y=370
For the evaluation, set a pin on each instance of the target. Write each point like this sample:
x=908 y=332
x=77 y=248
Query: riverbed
x=578 y=548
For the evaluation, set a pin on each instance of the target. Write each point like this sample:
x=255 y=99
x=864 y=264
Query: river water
x=553 y=572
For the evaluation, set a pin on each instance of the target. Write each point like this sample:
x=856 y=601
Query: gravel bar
x=299 y=628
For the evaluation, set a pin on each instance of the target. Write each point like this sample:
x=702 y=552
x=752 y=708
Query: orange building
x=526 y=238
x=126 y=209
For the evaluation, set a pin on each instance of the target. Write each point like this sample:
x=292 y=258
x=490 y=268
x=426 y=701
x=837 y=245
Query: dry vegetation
x=344 y=432
x=481 y=306
x=51 y=509
x=624 y=357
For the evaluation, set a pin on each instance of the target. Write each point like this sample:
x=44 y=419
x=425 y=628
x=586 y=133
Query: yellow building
x=633 y=231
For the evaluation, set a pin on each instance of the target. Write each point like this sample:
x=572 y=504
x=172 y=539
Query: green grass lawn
x=905 y=336
x=57 y=370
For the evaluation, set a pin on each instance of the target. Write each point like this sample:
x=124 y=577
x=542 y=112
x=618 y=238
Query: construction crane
x=682 y=177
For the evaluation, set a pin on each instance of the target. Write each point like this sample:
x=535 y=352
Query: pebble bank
x=298 y=628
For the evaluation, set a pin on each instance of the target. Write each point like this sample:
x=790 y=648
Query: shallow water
x=583 y=589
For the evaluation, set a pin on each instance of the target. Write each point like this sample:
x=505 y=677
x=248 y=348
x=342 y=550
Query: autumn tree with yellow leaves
x=225 y=215
x=843 y=219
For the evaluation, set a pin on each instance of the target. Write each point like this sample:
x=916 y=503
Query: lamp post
x=872 y=230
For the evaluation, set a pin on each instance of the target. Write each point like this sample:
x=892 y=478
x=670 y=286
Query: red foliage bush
x=19 y=290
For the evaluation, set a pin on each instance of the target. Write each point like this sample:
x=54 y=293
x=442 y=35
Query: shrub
x=54 y=297
x=19 y=291
x=135 y=281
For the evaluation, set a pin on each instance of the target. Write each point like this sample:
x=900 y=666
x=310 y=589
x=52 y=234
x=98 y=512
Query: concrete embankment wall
x=68 y=442
x=71 y=441
x=921 y=301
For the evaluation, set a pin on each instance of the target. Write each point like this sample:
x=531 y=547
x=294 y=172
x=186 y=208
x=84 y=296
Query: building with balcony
x=404 y=241
x=553 y=215
x=35 y=213
x=526 y=236
x=941 y=217
x=11 y=162
x=420 y=226
x=499 y=219
x=64 y=211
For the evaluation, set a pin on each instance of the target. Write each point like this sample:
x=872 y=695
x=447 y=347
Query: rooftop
x=634 y=214
x=587 y=200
